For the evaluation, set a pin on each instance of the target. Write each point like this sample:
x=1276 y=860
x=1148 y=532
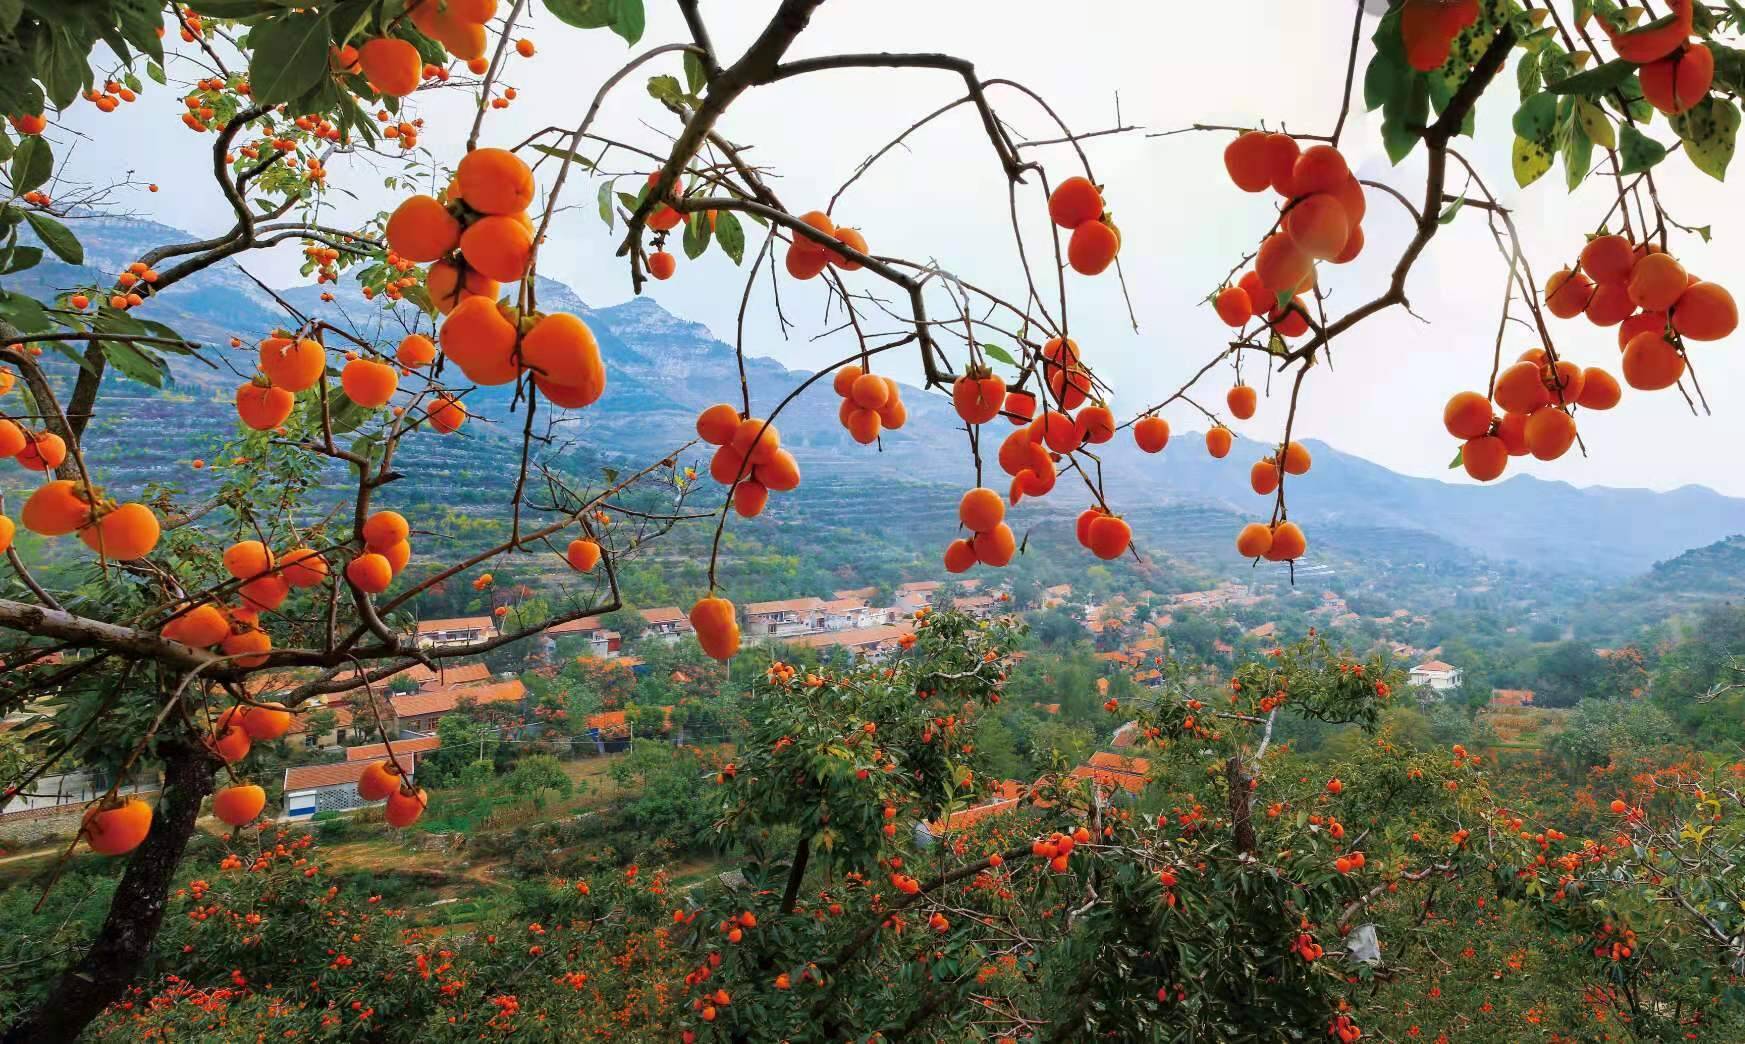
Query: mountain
x=1712 y=573
x=662 y=370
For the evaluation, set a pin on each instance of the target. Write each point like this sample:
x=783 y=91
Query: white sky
x=1183 y=223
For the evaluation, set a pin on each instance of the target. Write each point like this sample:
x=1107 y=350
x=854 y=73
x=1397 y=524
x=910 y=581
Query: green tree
x=536 y=777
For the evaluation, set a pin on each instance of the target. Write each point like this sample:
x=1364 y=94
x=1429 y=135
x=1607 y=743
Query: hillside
x=663 y=370
x=1715 y=572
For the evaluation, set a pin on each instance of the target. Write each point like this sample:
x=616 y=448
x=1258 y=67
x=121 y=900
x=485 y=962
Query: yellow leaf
x=1598 y=127
x=1530 y=161
x=1579 y=59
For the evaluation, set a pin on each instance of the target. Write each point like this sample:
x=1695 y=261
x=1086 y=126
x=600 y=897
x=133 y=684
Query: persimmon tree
x=205 y=626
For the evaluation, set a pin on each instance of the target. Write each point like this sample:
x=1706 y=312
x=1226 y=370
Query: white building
x=1435 y=675
x=461 y=630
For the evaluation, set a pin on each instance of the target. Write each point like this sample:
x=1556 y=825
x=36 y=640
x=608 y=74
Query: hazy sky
x=1183 y=223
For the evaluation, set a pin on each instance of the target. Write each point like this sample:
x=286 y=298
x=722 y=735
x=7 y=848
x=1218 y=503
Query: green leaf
x=1527 y=74
x=1459 y=458
x=624 y=17
x=32 y=164
x=1640 y=152
x=1530 y=161
x=696 y=77
x=1403 y=120
x=136 y=362
x=628 y=20
x=20 y=258
x=564 y=154
x=1596 y=81
x=57 y=237
x=24 y=312
x=1450 y=212
x=583 y=14
x=1385 y=79
x=994 y=351
x=697 y=234
x=156 y=72
x=666 y=89
x=1536 y=117
x=1729 y=67
x=1710 y=131
x=606 y=203
x=60 y=64
x=290 y=56
x=731 y=235
x=344 y=414
x=139 y=22
x=1578 y=156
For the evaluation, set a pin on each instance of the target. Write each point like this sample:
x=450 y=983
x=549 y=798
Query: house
x=1056 y=595
x=922 y=589
x=1007 y=796
x=1435 y=675
x=979 y=606
x=445 y=675
x=1265 y=630
x=1112 y=771
x=843 y=614
x=1126 y=736
x=602 y=641
x=668 y=623
x=419 y=712
x=342 y=731
x=780 y=619
x=609 y=727
x=459 y=630
x=872 y=642
x=332 y=787
x=401 y=748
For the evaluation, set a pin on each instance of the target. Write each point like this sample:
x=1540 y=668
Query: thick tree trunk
x=796 y=874
x=136 y=912
x=1241 y=808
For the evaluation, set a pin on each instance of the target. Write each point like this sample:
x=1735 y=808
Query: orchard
x=1242 y=908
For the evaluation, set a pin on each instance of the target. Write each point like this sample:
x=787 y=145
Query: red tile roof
x=377 y=751
x=308 y=777
x=785 y=605
x=420 y=704
x=664 y=615
x=585 y=625
x=1113 y=770
x=1435 y=666
x=456 y=623
x=446 y=674
x=856 y=637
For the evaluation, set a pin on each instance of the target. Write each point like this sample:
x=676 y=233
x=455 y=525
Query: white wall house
x=1435 y=675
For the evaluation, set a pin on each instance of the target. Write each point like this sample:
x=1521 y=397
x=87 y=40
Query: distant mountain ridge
x=662 y=370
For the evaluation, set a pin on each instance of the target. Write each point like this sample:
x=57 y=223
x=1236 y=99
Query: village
x=340 y=735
